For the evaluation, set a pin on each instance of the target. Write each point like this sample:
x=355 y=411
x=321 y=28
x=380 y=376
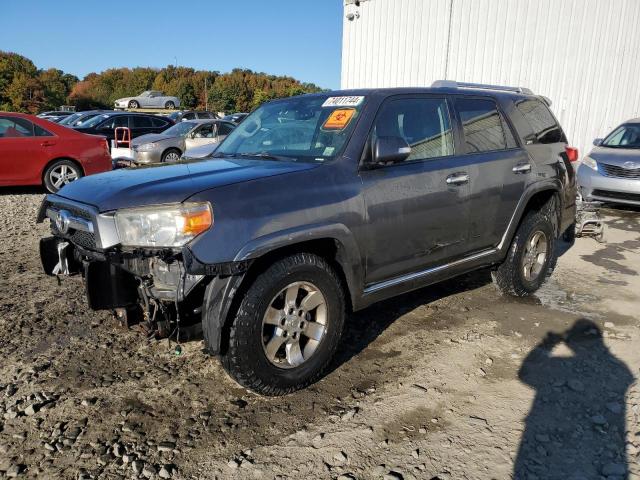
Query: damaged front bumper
x=170 y=281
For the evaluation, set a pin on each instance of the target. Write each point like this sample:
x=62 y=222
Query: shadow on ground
x=575 y=429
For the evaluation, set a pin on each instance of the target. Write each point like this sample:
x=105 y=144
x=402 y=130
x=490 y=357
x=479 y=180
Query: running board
x=376 y=287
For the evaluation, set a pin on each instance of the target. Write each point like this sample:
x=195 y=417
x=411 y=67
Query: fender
x=541 y=186
x=348 y=254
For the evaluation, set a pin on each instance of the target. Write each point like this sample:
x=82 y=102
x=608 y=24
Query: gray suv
x=316 y=206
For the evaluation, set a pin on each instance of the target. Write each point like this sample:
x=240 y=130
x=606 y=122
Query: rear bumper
x=595 y=186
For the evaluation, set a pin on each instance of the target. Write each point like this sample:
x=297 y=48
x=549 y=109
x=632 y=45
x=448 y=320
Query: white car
x=149 y=99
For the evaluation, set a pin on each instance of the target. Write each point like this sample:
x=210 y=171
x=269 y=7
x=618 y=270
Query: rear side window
x=540 y=118
x=224 y=129
x=482 y=125
x=115 y=121
x=11 y=127
x=423 y=122
x=158 y=122
x=142 y=122
x=41 y=132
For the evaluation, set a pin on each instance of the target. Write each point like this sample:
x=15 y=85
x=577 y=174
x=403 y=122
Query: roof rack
x=454 y=84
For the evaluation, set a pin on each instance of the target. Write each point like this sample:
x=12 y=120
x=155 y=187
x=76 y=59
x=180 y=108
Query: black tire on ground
x=168 y=155
x=245 y=358
x=509 y=277
x=51 y=174
x=169 y=105
x=134 y=104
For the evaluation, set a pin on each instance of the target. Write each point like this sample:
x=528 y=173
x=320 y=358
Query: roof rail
x=454 y=84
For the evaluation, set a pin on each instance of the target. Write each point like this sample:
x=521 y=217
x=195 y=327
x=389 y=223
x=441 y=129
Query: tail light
x=572 y=153
x=105 y=145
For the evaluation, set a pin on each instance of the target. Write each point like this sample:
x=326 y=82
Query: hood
x=170 y=183
x=617 y=156
x=149 y=138
x=125 y=99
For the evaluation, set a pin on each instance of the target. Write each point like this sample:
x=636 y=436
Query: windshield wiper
x=267 y=156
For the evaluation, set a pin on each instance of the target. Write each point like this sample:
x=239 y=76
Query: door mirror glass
x=390 y=150
x=598 y=141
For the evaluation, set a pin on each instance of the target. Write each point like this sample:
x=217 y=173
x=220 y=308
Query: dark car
x=55 y=114
x=139 y=124
x=185 y=115
x=78 y=118
x=235 y=118
x=316 y=206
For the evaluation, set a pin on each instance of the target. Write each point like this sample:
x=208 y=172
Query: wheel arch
x=57 y=159
x=170 y=148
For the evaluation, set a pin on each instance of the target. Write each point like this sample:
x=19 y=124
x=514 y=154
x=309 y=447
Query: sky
x=299 y=38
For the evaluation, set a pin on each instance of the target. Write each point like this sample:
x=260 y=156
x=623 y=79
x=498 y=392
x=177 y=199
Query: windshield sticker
x=343 y=101
x=329 y=151
x=339 y=119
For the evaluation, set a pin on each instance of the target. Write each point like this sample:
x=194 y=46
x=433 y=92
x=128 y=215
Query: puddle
x=553 y=296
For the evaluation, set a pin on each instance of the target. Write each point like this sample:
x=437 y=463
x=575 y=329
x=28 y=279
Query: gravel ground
x=450 y=382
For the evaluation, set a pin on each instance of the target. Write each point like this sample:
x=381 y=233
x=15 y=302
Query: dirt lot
x=450 y=382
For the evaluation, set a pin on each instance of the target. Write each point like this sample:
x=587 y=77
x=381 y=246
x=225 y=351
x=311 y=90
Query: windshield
x=180 y=129
x=145 y=94
x=625 y=136
x=68 y=120
x=308 y=128
x=92 y=122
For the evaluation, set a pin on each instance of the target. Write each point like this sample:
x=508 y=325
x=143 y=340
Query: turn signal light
x=197 y=221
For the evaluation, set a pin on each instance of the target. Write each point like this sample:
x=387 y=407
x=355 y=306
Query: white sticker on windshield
x=343 y=101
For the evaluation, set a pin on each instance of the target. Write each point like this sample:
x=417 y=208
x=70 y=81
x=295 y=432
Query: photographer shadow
x=575 y=429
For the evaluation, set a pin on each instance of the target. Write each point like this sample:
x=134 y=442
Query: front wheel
x=61 y=173
x=172 y=155
x=287 y=326
x=133 y=104
x=531 y=256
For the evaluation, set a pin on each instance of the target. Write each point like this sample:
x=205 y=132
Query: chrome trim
x=522 y=168
x=457 y=179
x=413 y=276
x=64 y=221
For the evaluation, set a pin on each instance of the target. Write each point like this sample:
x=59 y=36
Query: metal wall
x=582 y=54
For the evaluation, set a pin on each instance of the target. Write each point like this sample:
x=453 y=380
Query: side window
x=41 y=132
x=142 y=122
x=422 y=122
x=541 y=120
x=115 y=121
x=12 y=127
x=224 y=129
x=189 y=116
x=206 y=131
x=482 y=125
x=158 y=122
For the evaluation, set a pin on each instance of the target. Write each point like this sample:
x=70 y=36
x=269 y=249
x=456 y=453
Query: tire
x=511 y=276
x=61 y=173
x=169 y=105
x=171 y=155
x=251 y=335
x=133 y=104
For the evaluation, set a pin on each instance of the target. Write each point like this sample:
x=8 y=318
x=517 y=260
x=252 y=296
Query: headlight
x=145 y=147
x=590 y=162
x=163 y=225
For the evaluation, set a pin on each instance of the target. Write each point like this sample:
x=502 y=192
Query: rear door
x=498 y=172
x=159 y=124
x=417 y=210
x=22 y=152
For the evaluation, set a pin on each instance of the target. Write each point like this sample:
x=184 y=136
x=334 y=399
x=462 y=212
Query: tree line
x=25 y=88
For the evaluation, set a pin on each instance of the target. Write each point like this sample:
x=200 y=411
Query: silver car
x=149 y=99
x=611 y=172
x=169 y=145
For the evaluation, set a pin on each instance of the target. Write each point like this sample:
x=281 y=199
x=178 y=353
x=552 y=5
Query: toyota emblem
x=62 y=221
x=630 y=165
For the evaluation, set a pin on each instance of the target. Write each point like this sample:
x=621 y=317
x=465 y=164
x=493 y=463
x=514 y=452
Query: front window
x=93 y=121
x=625 y=136
x=180 y=129
x=307 y=129
x=145 y=94
x=15 y=127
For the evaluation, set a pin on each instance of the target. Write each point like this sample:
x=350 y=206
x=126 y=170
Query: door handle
x=47 y=144
x=522 y=168
x=458 y=179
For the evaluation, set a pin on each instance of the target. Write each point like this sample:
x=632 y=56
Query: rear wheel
x=134 y=104
x=61 y=173
x=531 y=257
x=169 y=105
x=287 y=326
x=171 y=155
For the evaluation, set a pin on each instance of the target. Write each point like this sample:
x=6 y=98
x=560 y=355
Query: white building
x=582 y=54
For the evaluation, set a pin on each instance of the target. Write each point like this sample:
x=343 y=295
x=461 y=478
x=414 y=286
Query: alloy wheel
x=172 y=157
x=294 y=325
x=62 y=175
x=535 y=255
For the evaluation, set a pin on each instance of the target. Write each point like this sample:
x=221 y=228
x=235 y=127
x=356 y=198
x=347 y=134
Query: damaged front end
x=158 y=286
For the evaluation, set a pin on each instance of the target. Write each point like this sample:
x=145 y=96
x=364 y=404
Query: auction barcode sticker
x=343 y=101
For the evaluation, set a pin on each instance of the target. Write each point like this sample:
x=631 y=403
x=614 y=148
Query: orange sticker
x=339 y=119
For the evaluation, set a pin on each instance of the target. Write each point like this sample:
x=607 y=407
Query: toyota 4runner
x=316 y=206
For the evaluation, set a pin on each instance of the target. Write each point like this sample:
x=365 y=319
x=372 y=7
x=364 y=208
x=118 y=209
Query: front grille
x=83 y=239
x=619 y=172
x=78 y=237
x=631 y=197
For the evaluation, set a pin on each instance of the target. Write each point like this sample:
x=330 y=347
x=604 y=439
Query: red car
x=34 y=151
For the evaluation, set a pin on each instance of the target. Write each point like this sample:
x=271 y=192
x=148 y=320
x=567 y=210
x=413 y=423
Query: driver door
x=203 y=135
x=417 y=210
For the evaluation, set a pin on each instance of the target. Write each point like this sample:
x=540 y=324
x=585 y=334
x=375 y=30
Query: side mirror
x=390 y=150
x=530 y=139
x=598 y=141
